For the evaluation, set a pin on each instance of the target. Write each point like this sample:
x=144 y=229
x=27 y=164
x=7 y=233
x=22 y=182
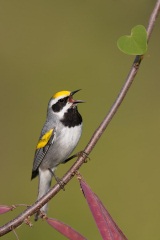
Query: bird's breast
x=68 y=138
x=65 y=140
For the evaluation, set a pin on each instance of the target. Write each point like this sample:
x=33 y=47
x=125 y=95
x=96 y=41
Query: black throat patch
x=72 y=118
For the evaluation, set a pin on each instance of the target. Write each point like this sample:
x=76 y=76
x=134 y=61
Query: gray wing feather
x=40 y=154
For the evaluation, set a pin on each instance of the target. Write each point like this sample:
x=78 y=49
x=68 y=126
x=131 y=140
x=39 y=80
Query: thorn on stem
x=28 y=222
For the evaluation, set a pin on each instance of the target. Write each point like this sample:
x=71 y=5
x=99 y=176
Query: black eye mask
x=57 y=107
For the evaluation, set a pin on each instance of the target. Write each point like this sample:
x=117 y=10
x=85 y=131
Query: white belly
x=68 y=139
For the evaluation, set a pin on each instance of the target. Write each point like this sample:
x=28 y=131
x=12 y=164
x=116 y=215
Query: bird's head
x=62 y=101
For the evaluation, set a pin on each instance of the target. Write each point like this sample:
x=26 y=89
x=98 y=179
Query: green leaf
x=134 y=44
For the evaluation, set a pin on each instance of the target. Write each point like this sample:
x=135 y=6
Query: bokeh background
x=47 y=46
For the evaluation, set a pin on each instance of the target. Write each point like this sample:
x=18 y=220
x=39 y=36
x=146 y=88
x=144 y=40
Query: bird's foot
x=81 y=153
x=58 y=180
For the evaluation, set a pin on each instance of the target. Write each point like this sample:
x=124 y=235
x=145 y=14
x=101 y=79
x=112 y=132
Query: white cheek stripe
x=64 y=110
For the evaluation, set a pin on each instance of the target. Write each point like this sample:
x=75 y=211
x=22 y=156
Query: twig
x=94 y=139
x=15 y=234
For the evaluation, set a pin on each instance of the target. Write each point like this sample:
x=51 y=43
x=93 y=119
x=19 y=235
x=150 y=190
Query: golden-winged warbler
x=59 y=136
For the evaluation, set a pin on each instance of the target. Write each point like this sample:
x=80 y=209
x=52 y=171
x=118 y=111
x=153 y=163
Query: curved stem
x=94 y=139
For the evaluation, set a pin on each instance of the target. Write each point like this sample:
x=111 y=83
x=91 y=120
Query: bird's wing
x=44 y=143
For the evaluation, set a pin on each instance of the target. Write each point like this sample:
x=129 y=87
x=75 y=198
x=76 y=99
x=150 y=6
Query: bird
x=59 y=137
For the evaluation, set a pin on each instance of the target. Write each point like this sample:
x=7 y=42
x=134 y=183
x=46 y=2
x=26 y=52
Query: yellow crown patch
x=62 y=93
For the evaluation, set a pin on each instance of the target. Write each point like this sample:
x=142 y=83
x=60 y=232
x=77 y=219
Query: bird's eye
x=61 y=100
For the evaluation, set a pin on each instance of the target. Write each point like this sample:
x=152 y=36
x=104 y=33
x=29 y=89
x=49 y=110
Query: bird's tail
x=45 y=177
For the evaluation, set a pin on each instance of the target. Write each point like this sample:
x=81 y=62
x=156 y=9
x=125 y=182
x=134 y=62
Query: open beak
x=75 y=101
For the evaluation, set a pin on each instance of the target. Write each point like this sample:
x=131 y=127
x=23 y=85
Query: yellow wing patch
x=44 y=140
x=62 y=93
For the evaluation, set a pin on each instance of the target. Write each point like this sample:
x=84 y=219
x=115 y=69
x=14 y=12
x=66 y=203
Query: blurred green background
x=47 y=46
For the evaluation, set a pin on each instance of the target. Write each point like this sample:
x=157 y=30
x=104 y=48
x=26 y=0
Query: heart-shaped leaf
x=136 y=43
